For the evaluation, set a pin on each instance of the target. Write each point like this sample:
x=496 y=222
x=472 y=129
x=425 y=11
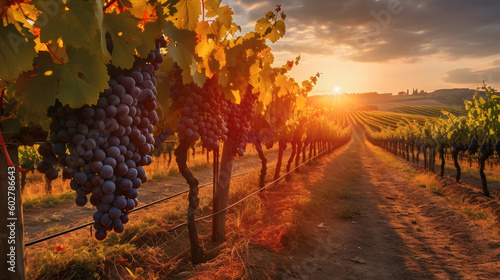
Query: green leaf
x=181 y=46
x=152 y=31
x=125 y=35
x=75 y=83
x=86 y=76
x=16 y=52
x=38 y=92
x=76 y=21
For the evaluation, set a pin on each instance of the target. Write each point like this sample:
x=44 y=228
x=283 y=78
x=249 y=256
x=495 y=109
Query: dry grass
x=147 y=250
x=430 y=182
x=482 y=216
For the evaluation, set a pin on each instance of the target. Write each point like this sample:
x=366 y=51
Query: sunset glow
x=373 y=46
x=337 y=90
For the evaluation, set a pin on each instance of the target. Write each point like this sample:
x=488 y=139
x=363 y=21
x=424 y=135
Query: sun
x=336 y=90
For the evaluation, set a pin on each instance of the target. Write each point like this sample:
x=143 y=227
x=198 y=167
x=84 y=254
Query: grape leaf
x=76 y=83
x=74 y=21
x=264 y=26
x=277 y=31
x=137 y=7
x=152 y=31
x=188 y=13
x=57 y=48
x=38 y=92
x=181 y=46
x=224 y=14
x=199 y=77
x=20 y=12
x=301 y=102
x=85 y=76
x=16 y=52
x=125 y=35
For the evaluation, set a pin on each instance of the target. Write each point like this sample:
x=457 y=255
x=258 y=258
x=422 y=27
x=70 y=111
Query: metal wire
x=485 y=171
x=250 y=195
x=26 y=244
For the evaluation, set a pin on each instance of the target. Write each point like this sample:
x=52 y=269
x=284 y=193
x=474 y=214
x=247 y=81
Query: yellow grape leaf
x=263 y=26
x=283 y=83
x=255 y=75
x=20 y=12
x=137 y=7
x=223 y=14
x=278 y=31
x=206 y=43
x=220 y=56
x=301 y=102
x=188 y=13
x=199 y=78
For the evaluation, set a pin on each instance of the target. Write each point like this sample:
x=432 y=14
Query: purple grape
x=81 y=200
x=115 y=213
x=106 y=171
x=120 y=202
x=125 y=184
x=97 y=216
x=100 y=234
x=106 y=220
x=108 y=187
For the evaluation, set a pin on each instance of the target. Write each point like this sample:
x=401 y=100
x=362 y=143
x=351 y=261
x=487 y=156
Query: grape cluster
x=202 y=111
x=108 y=143
x=164 y=133
x=473 y=147
x=240 y=118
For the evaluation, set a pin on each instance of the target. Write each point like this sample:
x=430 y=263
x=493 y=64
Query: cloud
x=469 y=76
x=384 y=30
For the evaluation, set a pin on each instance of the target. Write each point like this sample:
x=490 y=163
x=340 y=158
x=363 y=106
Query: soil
x=376 y=222
x=43 y=221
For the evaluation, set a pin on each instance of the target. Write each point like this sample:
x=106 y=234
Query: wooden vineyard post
x=215 y=231
x=11 y=216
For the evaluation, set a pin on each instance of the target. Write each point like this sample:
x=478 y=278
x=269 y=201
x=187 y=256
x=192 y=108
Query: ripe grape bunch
x=108 y=143
x=240 y=117
x=202 y=109
x=164 y=133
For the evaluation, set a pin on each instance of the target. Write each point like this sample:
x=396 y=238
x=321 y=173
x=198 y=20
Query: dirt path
x=396 y=229
x=42 y=221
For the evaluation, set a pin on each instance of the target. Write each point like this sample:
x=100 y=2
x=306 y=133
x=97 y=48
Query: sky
x=385 y=46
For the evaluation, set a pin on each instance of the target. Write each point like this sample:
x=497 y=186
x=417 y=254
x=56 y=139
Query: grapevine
x=108 y=143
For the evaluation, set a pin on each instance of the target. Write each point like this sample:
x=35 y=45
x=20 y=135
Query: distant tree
x=402 y=93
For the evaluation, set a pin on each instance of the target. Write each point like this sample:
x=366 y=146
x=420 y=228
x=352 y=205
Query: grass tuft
x=50 y=200
x=430 y=182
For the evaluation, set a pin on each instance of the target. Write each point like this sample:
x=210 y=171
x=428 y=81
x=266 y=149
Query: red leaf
x=59 y=248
